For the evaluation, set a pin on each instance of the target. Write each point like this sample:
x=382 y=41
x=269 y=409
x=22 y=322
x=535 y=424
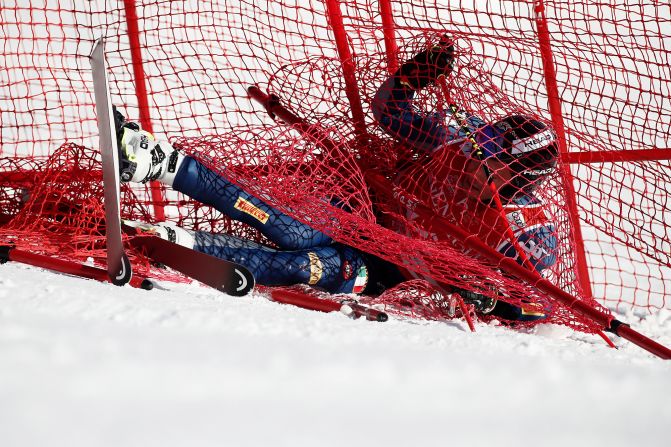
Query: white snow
x=84 y=363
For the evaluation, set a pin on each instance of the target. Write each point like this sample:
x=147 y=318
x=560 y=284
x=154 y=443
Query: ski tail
x=225 y=276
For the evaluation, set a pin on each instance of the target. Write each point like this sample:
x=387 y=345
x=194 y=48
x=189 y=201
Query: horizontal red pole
x=14 y=177
x=67 y=267
x=29 y=177
x=622 y=156
x=638 y=339
x=304 y=300
x=59 y=265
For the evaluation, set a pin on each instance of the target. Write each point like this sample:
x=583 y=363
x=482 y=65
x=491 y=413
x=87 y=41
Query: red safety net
x=185 y=76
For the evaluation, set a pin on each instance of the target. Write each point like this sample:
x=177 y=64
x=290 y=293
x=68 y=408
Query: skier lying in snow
x=522 y=149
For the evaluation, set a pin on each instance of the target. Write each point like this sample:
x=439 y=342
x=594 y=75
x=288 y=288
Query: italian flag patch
x=361 y=280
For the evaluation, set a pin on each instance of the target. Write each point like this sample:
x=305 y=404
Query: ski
x=225 y=276
x=118 y=266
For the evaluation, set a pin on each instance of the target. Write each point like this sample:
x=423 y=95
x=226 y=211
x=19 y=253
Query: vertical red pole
x=141 y=94
x=389 y=30
x=349 y=70
x=558 y=123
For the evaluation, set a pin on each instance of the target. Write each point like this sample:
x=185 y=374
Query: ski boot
x=141 y=157
x=482 y=304
x=165 y=230
x=511 y=314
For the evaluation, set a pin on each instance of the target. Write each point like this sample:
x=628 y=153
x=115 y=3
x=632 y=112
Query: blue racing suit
x=305 y=255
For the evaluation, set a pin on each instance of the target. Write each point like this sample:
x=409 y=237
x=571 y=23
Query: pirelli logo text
x=249 y=208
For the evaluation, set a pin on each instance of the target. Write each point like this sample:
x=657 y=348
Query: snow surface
x=84 y=363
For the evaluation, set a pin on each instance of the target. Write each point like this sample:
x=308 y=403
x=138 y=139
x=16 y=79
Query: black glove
x=428 y=65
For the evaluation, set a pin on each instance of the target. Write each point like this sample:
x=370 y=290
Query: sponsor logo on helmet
x=533 y=142
x=538 y=171
x=537 y=241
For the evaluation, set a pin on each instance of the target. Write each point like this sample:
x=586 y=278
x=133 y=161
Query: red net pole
x=558 y=123
x=618 y=156
x=274 y=108
x=141 y=94
x=636 y=338
x=349 y=70
x=389 y=30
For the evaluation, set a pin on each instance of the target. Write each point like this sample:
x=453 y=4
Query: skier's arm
x=393 y=106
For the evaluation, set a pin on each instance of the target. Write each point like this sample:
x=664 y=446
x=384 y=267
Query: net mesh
x=199 y=58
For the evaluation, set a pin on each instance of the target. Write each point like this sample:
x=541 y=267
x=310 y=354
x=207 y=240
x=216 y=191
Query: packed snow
x=84 y=363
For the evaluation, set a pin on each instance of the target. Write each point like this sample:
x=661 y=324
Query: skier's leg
x=144 y=159
x=202 y=184
x=335 y=268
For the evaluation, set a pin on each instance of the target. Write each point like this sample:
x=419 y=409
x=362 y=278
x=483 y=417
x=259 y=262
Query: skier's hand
x=428 y=65
x=441 y=56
